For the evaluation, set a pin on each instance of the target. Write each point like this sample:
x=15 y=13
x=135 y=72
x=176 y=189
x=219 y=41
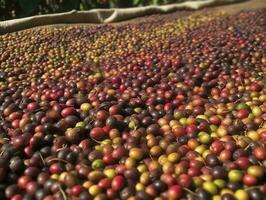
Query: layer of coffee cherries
x=169 y=108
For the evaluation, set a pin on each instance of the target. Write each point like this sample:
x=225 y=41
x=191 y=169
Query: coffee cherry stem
x=190 y=191
x=261 y=125
x=63 y=147
x=260 y=163
x=98 y=142
x=236 y=101
x=151 y=157
x=63 y=193
x=235 y=137
x=248 y=146
x=4 y=140
x=253 y=187
x=58 y=159
x=35 y=111
x=43 y=161
x=2 y=152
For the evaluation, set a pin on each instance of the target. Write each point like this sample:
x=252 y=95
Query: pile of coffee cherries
x=173 y=107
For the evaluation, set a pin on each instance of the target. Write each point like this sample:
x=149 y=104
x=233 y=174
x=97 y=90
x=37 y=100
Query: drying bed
x=168 y=108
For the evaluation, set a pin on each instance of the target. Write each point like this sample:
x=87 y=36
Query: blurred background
x=12 y=9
